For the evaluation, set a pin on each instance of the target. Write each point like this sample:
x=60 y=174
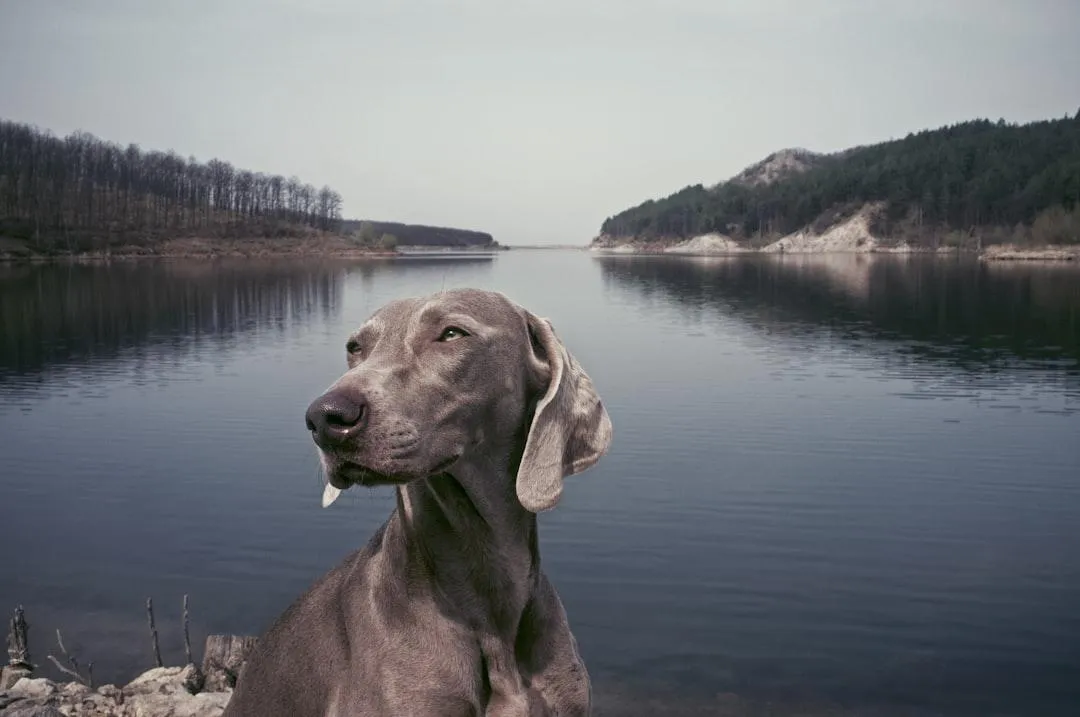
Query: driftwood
x=18 y=641
x=153 y=632
x=19 y=664
x=187 y=635
x=223 y=656
x=73 y=671
x=223 y=659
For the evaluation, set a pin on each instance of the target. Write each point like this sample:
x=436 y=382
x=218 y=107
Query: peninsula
x=80 y=196
x=1007 y=191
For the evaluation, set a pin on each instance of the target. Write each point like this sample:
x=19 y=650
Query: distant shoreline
x=1049 y=253
x=853 y=235
x=102 y=257
x=18 y=252
x=992 y=254
x=14 y=251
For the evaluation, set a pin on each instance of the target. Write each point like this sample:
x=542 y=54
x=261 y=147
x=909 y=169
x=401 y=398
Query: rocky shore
x=1006 y=252
x=160 y=692
x=853 y=235
x=720 y=245
x=189 y=691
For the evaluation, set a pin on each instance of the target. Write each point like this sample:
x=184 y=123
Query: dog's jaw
x=341 y=475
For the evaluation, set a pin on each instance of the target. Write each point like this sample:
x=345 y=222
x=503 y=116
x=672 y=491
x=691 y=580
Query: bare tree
x=53 y=187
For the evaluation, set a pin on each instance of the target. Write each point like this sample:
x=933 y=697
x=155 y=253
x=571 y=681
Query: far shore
x=337 y=247
x=994 y=254
x=1048 y=253
x=307 y=247
x=853 y=235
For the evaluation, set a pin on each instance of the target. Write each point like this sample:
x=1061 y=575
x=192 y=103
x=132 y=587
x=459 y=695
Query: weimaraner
x=473 y=408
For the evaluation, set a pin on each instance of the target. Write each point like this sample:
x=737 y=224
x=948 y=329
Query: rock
x=107 y=701
x=161 y=692
x=9 y=675
x=193 y=679
x=206 y=704
x=160 y=680
x=223 y=658
x=73 y=691
x=31 y=710
x=28 y=697
x=33 y=688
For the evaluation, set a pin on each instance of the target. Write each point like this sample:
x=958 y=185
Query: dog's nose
x=334 y=417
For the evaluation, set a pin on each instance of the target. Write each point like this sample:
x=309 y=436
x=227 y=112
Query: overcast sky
x=531 y=120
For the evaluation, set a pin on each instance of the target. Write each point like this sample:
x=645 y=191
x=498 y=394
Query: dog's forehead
x=472 y=302
x=390 y=314
x=485 y=306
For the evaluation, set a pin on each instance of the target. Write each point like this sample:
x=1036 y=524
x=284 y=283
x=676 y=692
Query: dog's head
x=459 y=376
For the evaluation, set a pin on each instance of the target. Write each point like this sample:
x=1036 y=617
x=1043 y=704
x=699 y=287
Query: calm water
x=843 y=486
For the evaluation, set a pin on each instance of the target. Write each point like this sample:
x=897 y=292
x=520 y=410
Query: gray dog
x=475 y=410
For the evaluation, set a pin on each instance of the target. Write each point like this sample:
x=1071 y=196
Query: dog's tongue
x=329 y=495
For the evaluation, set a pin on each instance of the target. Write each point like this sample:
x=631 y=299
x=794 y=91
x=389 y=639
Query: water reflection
x=972 y=316
x=777 y=529
x=57 y=316
x=435 y=271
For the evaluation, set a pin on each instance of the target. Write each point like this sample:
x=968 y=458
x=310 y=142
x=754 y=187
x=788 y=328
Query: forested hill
x=983 y=177
x=79 y=192
x=419 y=234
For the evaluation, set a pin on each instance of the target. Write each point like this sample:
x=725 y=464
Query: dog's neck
x=468 y=535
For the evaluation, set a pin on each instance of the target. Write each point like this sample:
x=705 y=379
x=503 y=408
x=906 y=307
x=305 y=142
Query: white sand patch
x=901 y=248
x=707 y=244
x=851 y=235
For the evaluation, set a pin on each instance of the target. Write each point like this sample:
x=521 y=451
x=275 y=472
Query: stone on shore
x=223 y=658
x=160 y=692
x=9 y=675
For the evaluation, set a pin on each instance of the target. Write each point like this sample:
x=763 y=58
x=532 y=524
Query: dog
x=475 y=411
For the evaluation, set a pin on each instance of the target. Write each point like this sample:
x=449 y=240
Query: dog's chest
x=427 y=665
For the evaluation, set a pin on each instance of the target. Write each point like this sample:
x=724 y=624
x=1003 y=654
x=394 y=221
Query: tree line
x=53 y=188
x=961 y=178
x=371 y=233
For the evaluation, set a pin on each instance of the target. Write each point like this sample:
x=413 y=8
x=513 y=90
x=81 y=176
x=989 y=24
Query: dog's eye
x=452 y=332
x=353 y=347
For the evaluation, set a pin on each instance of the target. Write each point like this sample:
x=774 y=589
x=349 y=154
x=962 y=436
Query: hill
x=419 y=234
x=969 y=184
x=777 y=166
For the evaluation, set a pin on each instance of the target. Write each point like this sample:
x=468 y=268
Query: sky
x=533 y=121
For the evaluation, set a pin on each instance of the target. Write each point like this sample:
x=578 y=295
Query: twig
x=60 y=642
x=65 y=670
x=153 y=631
x=187 y=638
x=73 y=671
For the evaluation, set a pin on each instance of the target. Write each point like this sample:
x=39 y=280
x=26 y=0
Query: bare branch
x=153 y=631
x=72 y=671
x=187 y=636
x=65 y=670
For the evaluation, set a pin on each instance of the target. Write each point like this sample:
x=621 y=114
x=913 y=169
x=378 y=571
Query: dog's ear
x=570 y=427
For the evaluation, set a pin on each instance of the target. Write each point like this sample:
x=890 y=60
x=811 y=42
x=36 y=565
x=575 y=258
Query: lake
x=838 y=485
